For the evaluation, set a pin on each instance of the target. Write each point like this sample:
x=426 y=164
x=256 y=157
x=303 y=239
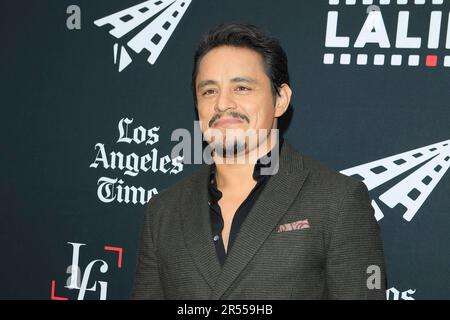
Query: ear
x=283 y=100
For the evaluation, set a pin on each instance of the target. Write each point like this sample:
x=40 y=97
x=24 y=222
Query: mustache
x=232 y=114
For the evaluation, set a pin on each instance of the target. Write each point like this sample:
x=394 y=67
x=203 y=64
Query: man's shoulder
x=185 y=187
x=322 y=174
x=326 y=173
x=328 y=188
x=326 y=179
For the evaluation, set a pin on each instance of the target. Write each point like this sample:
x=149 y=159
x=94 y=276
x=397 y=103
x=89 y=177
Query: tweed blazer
x=311 y=234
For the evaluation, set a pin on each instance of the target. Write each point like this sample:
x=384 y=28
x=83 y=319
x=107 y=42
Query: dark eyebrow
x=243 y=79
x=204 y=83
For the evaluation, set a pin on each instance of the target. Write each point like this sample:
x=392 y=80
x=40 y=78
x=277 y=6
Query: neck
x=237 y=173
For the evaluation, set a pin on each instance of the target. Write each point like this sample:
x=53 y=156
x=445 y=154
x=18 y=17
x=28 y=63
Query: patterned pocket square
x=296 y=225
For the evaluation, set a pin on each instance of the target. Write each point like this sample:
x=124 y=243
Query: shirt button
x=216 y=237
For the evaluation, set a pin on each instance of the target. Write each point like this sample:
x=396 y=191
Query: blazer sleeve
x=355 y=251
x=147 y=281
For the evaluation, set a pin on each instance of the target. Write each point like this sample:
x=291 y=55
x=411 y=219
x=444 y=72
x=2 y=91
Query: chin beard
x=230 y=149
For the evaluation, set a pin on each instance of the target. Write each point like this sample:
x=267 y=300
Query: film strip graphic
x=412 y=191
x=152 y=37
x=385 y=2
x=411 y=60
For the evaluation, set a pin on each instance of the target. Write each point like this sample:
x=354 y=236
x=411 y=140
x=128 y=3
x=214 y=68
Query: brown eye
x=208 y=92
x=242 y=88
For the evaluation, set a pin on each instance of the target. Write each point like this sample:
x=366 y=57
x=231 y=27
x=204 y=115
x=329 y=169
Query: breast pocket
x=298 y=242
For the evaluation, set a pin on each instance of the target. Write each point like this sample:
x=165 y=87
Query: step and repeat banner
x=93 y=90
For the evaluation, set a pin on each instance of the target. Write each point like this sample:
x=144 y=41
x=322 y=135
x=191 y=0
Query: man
x=231 y=232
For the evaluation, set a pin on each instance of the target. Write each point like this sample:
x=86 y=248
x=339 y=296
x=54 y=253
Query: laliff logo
x=79 y=280
x=394 y=294
x=429 y=164
x=152 y=37
x=395 y=44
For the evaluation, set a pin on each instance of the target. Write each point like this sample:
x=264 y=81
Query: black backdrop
x=62 y=95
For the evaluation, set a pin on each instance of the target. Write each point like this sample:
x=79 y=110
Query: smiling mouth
x=226 y=122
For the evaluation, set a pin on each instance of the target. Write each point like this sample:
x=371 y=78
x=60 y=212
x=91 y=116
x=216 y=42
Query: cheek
x=204 y=115
x=263 y=117
x=202 y=109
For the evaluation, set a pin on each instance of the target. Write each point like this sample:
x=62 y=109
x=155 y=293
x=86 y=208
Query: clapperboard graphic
x=428 y=165
x=147 y=25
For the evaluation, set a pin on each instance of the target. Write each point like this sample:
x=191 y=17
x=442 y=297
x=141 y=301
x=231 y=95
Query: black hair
x=246 y=36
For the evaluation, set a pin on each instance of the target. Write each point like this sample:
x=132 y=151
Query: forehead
x=226 y=62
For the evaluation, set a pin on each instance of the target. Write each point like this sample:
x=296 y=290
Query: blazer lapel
x=197 y=229
x=273 y=202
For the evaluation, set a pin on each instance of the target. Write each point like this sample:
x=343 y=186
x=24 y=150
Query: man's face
x=233 y=92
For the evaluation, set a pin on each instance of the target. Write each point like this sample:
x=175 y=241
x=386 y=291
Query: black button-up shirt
x=215 y=195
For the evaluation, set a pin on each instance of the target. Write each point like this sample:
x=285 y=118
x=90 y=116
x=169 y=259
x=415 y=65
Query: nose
x=224 y=102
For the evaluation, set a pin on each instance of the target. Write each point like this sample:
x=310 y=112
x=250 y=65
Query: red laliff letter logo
x=79 y=280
